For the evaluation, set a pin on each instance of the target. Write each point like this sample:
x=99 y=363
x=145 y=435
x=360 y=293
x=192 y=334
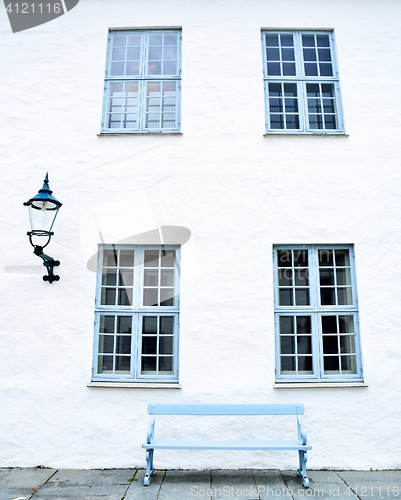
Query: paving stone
x=185 y=484
x=323 y=485
x=269 y=483
x=67 y=477
x=373 y=484
x=55 y=492
x=24 y=477
x=138 y=491
x=22 y=483
x=232 y=484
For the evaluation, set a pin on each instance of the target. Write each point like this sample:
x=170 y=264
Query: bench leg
x=302 y=468
x=149 y=467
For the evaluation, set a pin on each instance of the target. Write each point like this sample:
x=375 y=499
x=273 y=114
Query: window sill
x=104 y=134
x=320 y=385
x=135 y=385
x=306 y=134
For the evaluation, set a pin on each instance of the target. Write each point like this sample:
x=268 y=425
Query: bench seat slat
x=226 y=445
x=216 y=409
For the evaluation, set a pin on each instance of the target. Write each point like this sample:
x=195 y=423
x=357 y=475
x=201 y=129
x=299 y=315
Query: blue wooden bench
x=299 y=444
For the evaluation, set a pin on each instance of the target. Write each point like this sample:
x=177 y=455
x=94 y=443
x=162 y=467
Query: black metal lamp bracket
x=48 y=261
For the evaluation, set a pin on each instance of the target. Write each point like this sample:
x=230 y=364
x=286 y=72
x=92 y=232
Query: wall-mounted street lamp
x=43 y=209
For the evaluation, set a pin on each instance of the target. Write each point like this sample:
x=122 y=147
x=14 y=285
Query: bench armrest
x=301 y=431
x=151 y=430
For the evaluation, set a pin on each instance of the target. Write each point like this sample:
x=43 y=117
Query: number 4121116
x=26 y=8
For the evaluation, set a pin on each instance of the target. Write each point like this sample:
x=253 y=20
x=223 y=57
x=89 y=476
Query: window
x=316 y=314
x=143 y=80
x=302 y=92
x=137 y=314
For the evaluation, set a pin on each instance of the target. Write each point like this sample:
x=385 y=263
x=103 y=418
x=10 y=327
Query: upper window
x=136 y=317
x=316 y=314
x=143 y=80
x=302 y=91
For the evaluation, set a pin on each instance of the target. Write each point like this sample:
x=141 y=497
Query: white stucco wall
x=237 y=191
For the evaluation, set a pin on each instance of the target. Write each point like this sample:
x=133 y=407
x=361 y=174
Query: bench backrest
x=216 y=409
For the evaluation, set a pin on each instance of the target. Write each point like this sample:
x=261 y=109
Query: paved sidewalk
x=114 y=484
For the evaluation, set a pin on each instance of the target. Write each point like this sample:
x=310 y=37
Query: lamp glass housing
x=42 y=215
x=43 y=210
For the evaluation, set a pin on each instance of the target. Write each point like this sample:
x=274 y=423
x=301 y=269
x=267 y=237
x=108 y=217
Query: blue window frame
x=316 y=314
x=143 y=82
x=302 y=93
x=137 y=314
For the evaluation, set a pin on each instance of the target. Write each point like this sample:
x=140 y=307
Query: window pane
x=119 y=40
x=284 y=258
x=166 y=364
x=168 y=258
x=287 y=344
x=343 y=276
x=329 y=324
x=348 y=364
x=106 y=324
x=166 y=345
x=124 y=324
x=342 y=257
x=123 y=344
x=287 y=363
x=286 y=324
x=273 y=69
x=273 y=54
x=323 y=40
x=149 y=324
x=304 y=324
x=326 y=258
x=108 y=297
x=105 y=364
x=327 y=296
x=167 y=278
x=289 y=69
x=302 y=296
x=106 y=344
x=330 y=344
x=301 y=277
x=287 y=40
x=285 y=277
x=166 y=325
x=126 y=258
x=151 y=277
x=308 y=40
x=346 y=324
x=272 y=40
x=123 y=364
x=109 y=277
x=167 y=297
x=109 y=258
x=285 y=297
x=304 y=345
x=344 y=296
x=148 y=365
x=125 y=296
x=150 y=297
x=149 y=345
x=300 y=258
x=326 y=276
x=305 y=365
x=331 y=364
x=347 y=343
x=151 y=258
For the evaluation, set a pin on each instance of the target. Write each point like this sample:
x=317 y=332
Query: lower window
x=316 y=314
x=137 y=314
